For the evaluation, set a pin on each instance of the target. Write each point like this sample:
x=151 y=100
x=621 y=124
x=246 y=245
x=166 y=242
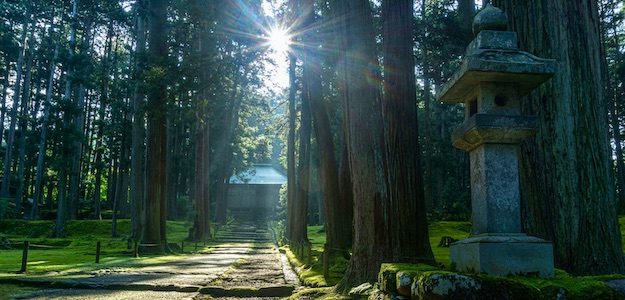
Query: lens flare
x=279 y=40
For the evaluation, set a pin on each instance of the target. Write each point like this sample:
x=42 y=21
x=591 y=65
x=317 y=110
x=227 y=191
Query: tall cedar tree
x=337 y=209
x=201 y=181
x=154 y=231
x=299 y=231
x=365 y=142
x=409 y=229
x=568 y=185
x=137 y=173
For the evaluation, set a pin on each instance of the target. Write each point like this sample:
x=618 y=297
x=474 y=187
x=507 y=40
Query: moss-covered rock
x=445 y=286
x=397 y=278
x=432 y=283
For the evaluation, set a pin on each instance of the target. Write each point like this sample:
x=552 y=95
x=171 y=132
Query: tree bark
x=201 y=181
x=156 y=198
x=137 y=174
x=291 y=180
x=568 y=187
x=337 y=219
x=408 y=231
x=365 y=142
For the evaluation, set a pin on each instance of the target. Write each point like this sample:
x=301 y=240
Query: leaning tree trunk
x=408 y=231
x=568 y=187
x=156 y=202
x=365 y=142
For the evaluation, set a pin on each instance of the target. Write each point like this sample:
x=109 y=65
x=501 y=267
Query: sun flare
x=279 y=40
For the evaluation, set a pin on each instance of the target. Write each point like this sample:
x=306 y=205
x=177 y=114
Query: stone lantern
x=491 y=82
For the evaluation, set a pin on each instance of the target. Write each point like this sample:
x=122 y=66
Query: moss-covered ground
x=310 y=269
x=76 y=252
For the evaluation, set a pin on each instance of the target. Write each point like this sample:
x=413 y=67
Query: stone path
x=245 y=264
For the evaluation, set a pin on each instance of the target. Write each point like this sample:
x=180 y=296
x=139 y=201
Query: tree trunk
x=291 y=180
x=23 y=126
x=338 y=232
x=78 y=128
x=408 y=231
x=201 y=226
x=568 y=188
x=41 y=155
x=366 y=155
x=156 y=198
x=17 y=88
x=137 y=174
x=466 y=12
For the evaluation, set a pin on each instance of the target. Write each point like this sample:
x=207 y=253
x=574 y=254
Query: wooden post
x=25 y=257
x=97 y=252
x=136 y=250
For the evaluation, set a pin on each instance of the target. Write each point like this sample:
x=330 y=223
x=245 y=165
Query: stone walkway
x=246 y=264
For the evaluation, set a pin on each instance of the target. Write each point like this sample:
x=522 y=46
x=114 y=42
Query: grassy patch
x=325 y=293
x=76 y=253
x=311 y=273
x=456 y=230
x=582 y=287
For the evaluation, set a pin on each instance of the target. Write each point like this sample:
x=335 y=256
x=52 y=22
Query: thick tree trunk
x=154 y=231
x=201 y=180
x=408 y=231
x=568 y=187
x=365 y=143
x=137 y=174
x=338 y=232
x=201 y=226
x=291 y=183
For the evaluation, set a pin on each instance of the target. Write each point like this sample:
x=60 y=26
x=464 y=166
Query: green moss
x=582 y=287
x=326 y=293
x=409 y=268
x=311 y=275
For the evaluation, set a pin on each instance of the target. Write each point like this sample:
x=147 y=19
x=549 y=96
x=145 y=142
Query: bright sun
x=279 y=40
